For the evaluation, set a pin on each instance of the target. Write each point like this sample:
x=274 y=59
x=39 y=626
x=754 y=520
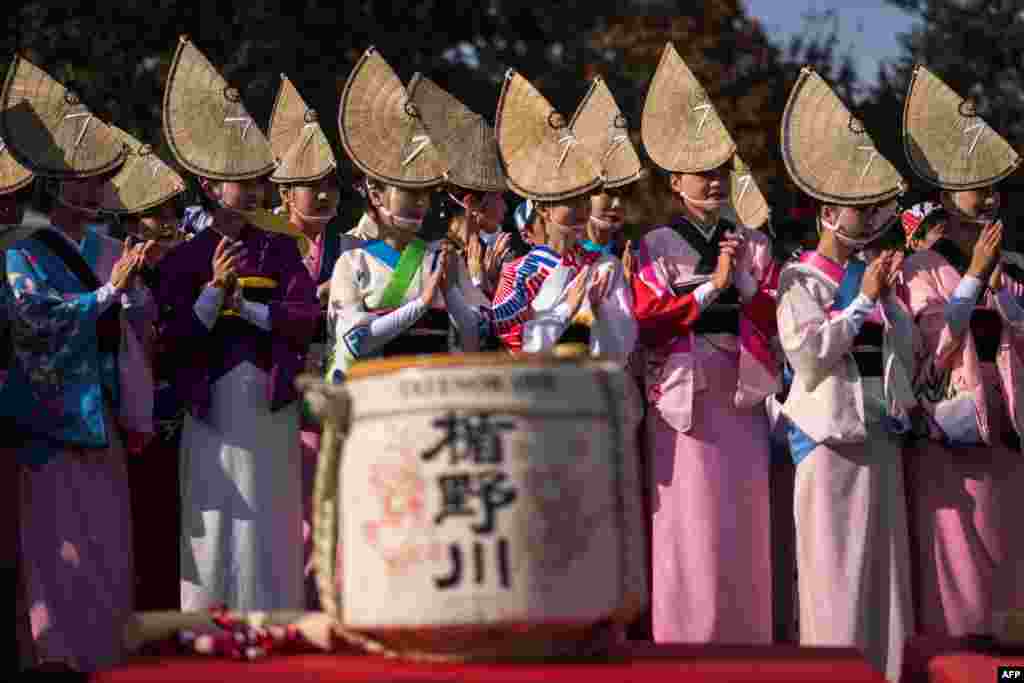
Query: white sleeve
x=813 y=341
x=207 y=306
x=256 y=313
x=543 y=331
x=106 y=296
x=381 y=330
x=615 y=330
x=961 y=305
x=467 y=320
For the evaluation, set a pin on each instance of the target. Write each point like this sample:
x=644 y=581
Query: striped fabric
x=521 y=279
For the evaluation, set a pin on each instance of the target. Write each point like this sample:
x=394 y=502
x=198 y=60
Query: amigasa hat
x=748 y=201
x=381 y=129
x=13 y=176
x=828 y=152
x=465 y=141
x=945 y=140
x=206 y=123
x=298 y=142
x=831 y=157
x=143 y=182
x=602 y=130
x=680 y=128
x=543 y=159
x=49 y=131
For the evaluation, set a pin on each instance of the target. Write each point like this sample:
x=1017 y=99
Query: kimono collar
x=708 y=233
x=595 y=248
x=826 y=266
x=366 y=229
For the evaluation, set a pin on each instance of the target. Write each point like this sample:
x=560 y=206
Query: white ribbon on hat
x=568 y=140
x=238 y=119
x=88 y=118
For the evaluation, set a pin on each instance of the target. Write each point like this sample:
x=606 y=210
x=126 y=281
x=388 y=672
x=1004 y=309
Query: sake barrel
x=485 y=506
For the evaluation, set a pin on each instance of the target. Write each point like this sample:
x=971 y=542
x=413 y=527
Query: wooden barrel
x=489 y=506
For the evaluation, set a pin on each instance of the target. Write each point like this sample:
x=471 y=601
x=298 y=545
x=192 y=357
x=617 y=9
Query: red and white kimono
x=711 y=361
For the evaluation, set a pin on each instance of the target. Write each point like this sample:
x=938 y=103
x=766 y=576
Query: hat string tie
x=568 y=141
x=85 y=125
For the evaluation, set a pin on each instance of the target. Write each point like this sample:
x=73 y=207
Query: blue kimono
x=58 y=377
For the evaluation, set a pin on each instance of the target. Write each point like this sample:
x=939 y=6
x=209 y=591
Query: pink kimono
x=708 y=437
x=964 y=482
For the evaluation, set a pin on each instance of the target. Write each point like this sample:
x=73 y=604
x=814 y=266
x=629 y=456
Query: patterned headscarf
x=523 y=216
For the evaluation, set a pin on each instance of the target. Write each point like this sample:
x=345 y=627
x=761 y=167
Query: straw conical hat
x=748 y=201
x=602 y=130
x=48 y=129
x=680 y=128
x=463 y=138
x=945 y=140
x=297 y=140
x=13 y=176
x=542 y=158
x=143 y=182
x=827 y=151
x=206 y=123
x=381 y=129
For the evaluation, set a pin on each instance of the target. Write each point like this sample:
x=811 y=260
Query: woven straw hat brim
x=748 y=201
x=13 y=176
x=298 y=142
x=542 y=158
x=381 y=130
x=946 y=142
x=465 y=141
x=602 y=129
x=827 y=151
x=206 y=123
x=680 y=128
x=144 y=181
x=49 y=131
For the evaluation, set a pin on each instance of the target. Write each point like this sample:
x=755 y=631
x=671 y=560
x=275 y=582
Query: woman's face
x=706 y=186
x=244 y=195
x=316 y=202
x=492 y=210
x=159 y=225
x=567 y=218
x=608 y=209
x=979 y=206
x=854 y=221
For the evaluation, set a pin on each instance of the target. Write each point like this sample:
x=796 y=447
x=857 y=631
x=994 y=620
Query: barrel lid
x=561 y=354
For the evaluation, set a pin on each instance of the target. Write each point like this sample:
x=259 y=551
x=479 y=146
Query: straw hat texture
x=144 y=181
x=827 y=151
x=748 y=201
x=206 y=123
x=13 y=176
x=680 y=128
x=543 y=159
x=298 y=142
x=381 y=129
x=945 y=140
x=463 y=138
x=602 y=130
x=49 y=131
